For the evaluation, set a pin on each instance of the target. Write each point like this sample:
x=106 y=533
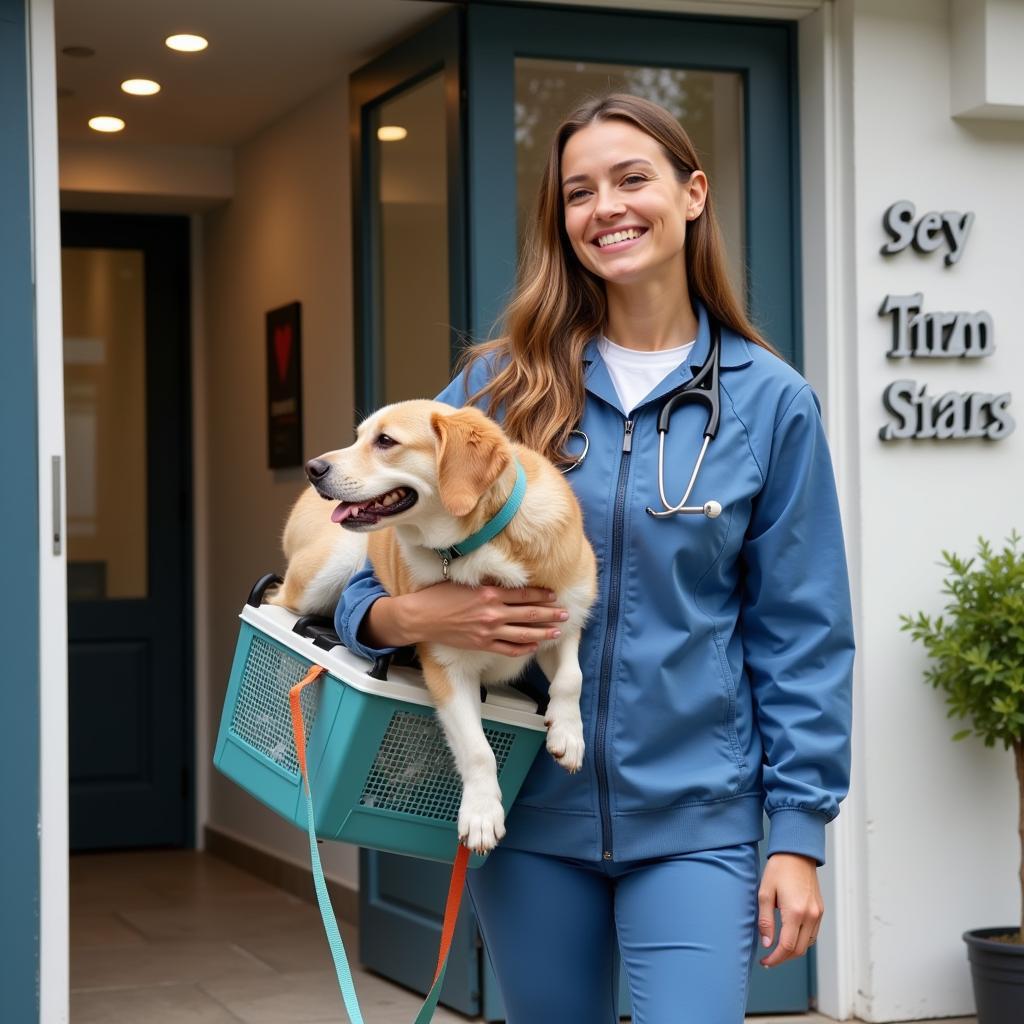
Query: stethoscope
x=702 y=389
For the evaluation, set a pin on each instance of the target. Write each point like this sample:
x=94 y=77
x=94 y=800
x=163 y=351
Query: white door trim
x=53 y=688
x=829 y=292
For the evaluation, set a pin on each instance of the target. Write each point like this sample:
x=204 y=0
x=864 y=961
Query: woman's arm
x=511 y=622
x=797 y=629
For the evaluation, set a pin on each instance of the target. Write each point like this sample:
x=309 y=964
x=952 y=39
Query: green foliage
x=977 y=646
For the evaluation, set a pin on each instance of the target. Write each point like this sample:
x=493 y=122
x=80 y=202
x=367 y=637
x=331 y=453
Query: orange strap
x=298 y=725
x=451 y=907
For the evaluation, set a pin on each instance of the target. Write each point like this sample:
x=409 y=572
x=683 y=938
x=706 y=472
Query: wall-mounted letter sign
x=931 y=334
x=954 y=415
x=936 y=335
x=929 y=233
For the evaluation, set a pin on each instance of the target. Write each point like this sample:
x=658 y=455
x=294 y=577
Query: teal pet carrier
x=379 y=768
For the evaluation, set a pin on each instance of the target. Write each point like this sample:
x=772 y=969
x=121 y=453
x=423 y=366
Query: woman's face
x=625 y=209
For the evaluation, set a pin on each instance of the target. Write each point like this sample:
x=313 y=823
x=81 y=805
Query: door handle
x=55 y=476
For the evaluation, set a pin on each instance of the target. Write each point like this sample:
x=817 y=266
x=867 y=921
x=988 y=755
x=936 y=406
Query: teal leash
x=323 y=899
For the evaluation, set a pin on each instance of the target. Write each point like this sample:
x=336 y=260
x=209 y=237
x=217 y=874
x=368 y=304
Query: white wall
x=939 y=819
x=285 y=236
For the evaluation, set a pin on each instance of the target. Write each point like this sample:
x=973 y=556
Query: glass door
x=408 y=214
x=730 y=83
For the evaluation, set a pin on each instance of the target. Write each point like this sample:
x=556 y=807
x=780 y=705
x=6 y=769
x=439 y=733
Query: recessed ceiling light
x=140 y=86
x=391 y=133
x=186 y=43
x=106 y=123
x=78 y=51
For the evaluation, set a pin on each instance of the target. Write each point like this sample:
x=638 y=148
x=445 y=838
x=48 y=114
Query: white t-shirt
x=636 y=374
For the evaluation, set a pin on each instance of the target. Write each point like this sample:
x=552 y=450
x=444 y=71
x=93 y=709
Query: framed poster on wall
x=284 y=386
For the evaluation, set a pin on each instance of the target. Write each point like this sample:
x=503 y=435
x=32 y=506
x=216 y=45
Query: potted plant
x=977 y=659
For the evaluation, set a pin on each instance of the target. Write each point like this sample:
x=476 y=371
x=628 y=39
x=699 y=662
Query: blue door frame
x=764 y=53
x=19 y=521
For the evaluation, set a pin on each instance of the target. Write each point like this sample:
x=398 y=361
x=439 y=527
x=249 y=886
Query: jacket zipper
x=614 y=582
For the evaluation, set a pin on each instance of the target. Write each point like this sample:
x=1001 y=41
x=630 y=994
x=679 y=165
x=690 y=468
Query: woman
x=718 y=657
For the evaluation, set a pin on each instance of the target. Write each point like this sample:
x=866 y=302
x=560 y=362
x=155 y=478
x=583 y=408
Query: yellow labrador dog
x=421 y=478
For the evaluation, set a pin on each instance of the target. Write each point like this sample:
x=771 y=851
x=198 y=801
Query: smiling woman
x=617 y=163
x=657 y=846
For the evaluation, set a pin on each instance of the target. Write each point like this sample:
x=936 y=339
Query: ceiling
x=265 y=57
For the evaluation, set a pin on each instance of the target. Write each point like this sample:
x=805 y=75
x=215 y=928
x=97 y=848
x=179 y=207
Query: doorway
x=126 y=385
x=467 y=107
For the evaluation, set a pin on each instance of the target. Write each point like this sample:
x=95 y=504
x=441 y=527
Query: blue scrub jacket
x=717 y=662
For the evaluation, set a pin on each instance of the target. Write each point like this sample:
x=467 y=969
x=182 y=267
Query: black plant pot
x=997 y=970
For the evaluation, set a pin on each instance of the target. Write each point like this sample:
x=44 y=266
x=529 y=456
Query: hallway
x=180 y=937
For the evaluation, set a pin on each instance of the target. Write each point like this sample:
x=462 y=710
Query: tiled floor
x=186 y=938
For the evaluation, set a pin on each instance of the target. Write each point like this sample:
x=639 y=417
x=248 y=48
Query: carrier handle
x=259 y=589
x=319 y=629
x=403 y=656
x=524 y=686
x=380 y=667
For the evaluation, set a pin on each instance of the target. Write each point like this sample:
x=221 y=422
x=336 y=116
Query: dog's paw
x=481 y=821
x=565 y=738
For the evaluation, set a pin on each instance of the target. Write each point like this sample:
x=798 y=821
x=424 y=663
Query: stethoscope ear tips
x=712 y=509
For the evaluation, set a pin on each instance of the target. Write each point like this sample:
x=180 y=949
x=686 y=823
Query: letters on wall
x=918 y=333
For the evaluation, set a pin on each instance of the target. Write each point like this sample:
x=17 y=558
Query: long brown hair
x=559 y=305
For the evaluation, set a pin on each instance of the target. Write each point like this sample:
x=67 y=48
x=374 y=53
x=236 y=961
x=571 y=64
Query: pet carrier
x=380 y=771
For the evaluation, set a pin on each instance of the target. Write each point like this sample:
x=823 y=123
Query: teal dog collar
x=489 y=530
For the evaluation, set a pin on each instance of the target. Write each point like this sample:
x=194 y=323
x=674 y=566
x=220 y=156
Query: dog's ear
x=472 y=452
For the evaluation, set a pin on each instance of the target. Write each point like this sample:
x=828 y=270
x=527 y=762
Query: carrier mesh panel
x=414 y=773
x=261 y=717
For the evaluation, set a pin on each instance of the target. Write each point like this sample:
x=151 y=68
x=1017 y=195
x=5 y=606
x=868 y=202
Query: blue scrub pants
x=686 y=927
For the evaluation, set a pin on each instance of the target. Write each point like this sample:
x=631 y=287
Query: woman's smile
x=619 y=239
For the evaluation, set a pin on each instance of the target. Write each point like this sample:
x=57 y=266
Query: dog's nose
x=317 y=469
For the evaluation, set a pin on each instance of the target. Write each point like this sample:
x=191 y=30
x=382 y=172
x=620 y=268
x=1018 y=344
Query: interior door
x=126 y=343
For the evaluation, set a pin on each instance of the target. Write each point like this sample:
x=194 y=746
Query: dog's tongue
x=346 y=509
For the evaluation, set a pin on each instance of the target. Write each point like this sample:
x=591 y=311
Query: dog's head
x=419 y=455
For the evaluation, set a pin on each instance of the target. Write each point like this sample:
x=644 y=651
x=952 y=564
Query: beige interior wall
x=285 y=237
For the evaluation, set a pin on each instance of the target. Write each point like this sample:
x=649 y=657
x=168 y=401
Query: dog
x=421 y=477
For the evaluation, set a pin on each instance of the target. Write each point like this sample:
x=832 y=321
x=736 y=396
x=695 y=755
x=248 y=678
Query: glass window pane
x=413 y=344
x=708 y=104
x=105 y=422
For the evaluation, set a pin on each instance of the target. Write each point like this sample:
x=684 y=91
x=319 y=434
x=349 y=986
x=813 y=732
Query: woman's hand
x=488 y=618
x=790 y=883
